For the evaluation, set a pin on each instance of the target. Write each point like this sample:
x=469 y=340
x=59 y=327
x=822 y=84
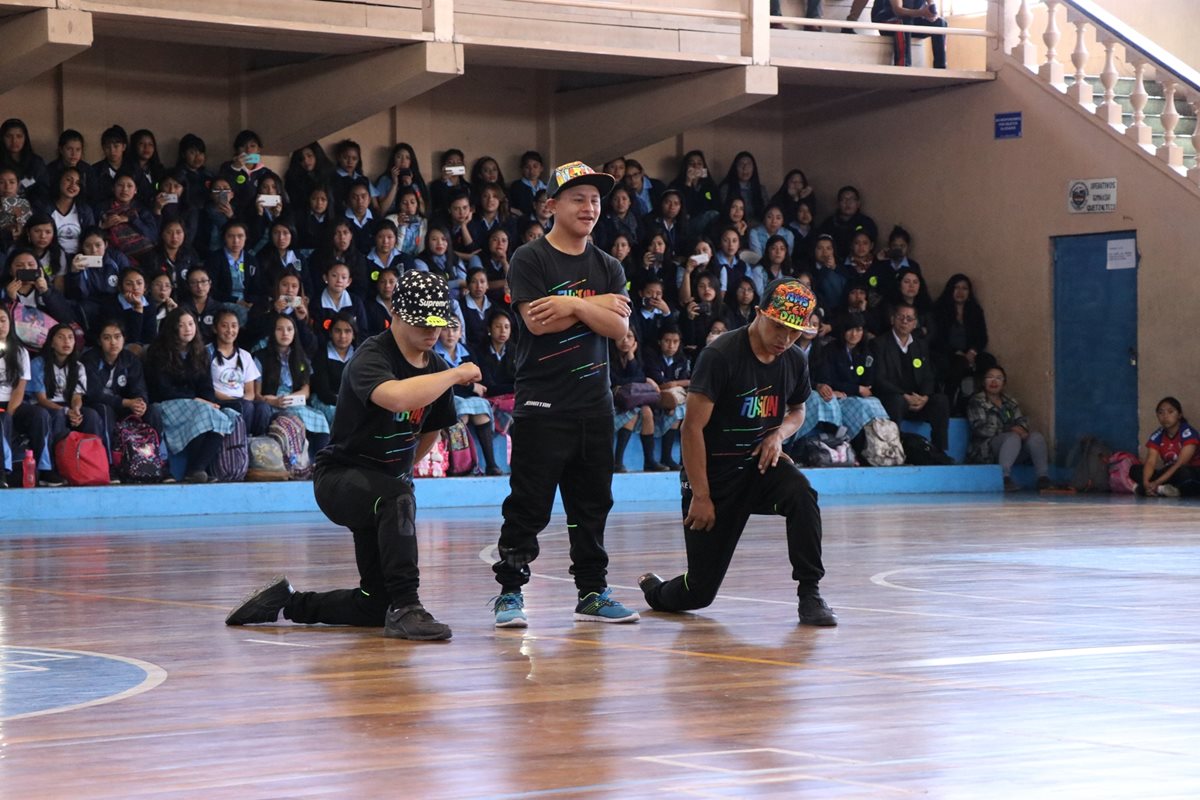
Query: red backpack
x=81 y=459
x=462 y=450
x=1119 y=465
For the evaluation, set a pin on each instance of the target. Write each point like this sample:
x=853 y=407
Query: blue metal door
x=1095 y=340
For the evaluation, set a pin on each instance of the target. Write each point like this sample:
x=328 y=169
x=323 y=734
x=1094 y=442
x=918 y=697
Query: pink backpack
x=81 y=459
x=462 y=450
x=1119 y=465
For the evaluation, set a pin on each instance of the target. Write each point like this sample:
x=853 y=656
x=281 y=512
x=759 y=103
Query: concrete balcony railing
x=1119 y=97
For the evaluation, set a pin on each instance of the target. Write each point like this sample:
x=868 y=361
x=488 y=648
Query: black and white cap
x=423 y=299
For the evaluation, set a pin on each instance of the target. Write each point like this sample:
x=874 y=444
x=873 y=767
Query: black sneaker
x=49 y=477
x=648 y=583
x=671 y=464
x=415 y=623
x=815 y=611
x=263 y=604
x=654 y=466
x=197 y=476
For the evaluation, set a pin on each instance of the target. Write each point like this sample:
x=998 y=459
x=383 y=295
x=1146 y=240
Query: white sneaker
x=1167 y=490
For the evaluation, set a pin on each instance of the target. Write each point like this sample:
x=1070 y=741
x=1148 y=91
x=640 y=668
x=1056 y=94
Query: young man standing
x=570 y=300
x=733 y=461
x=395 y=399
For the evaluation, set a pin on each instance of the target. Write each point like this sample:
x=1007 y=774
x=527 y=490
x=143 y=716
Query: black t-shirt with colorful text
x=750 y=399
x=369 y=436
x=562 y=373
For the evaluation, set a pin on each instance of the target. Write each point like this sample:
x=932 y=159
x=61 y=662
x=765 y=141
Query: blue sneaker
x=602 y=608
x=510 y=610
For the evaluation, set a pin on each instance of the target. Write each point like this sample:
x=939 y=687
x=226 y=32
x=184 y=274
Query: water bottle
x=29 y=470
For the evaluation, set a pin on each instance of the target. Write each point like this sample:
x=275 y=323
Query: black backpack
x=920 y=452
x=1089 y=462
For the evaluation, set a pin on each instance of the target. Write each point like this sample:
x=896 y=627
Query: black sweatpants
x=381 y=513
x=1185 y=479
x=781 y=491
x=574 y=456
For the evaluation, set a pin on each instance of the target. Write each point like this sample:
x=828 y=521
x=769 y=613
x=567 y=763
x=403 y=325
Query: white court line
x=280 y=644
x=684 y=760
x=1039 y=655
x=154 y=676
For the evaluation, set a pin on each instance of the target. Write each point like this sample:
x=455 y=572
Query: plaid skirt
x=184 y=420
x=851 y=413
x=663 y=420
x=472 y=405
x=327 y=410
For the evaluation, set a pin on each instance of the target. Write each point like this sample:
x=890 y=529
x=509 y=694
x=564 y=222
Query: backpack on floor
x=289 y=432
x=81 y=459
x=433 y=465
x=137 y=452
x=883 y=448
x=1119 y=465
x=266 y=460
x=234 y=458
x=920 y=452
x=823 y=449
x=462 y=450
x=1089 y=460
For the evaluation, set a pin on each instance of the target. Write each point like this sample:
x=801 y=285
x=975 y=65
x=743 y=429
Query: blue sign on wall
x=1008 y=125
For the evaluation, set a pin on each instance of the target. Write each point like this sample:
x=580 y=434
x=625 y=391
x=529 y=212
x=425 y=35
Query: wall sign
x=1092 y=195
x=1008 y=125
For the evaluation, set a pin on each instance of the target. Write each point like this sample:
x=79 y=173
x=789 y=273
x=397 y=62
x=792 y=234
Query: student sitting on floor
x=1172 y=465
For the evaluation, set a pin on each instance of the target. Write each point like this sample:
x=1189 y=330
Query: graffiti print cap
x=789 y=302
x=423 y=299
x=576 y=173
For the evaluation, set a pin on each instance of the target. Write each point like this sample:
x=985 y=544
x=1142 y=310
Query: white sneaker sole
x=634 y=617
x=519 y=622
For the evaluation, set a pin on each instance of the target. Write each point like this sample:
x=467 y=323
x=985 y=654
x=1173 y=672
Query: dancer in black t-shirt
x=394 y=400
x=570 y=300
x=746 y=398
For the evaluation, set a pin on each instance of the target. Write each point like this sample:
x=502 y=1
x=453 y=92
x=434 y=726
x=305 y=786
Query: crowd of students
x=184 y=295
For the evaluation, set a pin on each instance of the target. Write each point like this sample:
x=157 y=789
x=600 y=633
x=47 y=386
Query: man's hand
x=702 y=515
x=769 y=451
x=546 y=310
x=616 y=303
x=467 y=373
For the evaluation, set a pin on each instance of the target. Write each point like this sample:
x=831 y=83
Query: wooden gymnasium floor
x=988 y=649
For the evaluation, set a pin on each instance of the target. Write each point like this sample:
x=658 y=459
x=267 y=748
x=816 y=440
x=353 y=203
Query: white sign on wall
x=1092 y=195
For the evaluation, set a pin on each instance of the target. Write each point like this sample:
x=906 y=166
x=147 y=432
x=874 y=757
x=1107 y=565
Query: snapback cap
x=576 y=173
x=423 y=299
x=789 y=302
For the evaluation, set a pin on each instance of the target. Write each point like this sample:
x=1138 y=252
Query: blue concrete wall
x=179 y=500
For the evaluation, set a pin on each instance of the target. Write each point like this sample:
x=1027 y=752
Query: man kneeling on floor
x=394 y=401
x=733 y=460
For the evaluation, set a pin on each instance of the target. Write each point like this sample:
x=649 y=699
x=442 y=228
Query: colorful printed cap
x=789 y=302
x=576 y=173
x=423 y=299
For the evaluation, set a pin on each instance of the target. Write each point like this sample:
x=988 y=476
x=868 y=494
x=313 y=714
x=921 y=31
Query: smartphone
x=647 y=303
x=459 y=170
x=90 y=261
x=222 y=195
x=251 y=158
x=170 y=197
x=297 y=301
x=28 y=275
x=703 y=172
x=270 y=200
x=704 y=307
x=701 y=258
